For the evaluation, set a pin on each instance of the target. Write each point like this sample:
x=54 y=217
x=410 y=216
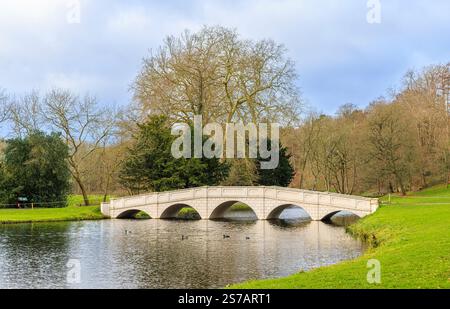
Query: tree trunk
x=302 y=171
x=391 y=187
x=105 y=192
x=76 y=175
x=83 y=190
x=402 y=186
x=85 y=196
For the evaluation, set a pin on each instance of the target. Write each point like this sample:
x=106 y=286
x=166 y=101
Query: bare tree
x=346 y=154
x=25 y=114
x=102 y=176
x=4 y=106
x=396 y=144
x=215 y=74
x=391 y=144
x=301 y=142
x=424 y=98
x=84 y=125
x=181 y=78
x=109 y=158
x=259 y=82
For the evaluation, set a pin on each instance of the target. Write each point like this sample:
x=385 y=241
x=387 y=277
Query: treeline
x=396 y=144
x=393 y=145
x=149 y=165
x=85 y=128
x=212 y=73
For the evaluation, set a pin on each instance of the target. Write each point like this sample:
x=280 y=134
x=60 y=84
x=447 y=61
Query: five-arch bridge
x=212 y=202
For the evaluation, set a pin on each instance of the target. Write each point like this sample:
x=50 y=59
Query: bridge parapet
x=263 y=200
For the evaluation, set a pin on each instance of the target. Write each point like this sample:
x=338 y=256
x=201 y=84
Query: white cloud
x=340 y=57
x=29 y=10
x=128 y=20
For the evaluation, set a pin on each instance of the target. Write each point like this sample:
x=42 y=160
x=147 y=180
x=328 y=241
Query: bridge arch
x=220 y=210
x=212 y=202
x=327 y=218
x=277 y=211
x=172 y=211
x=132 y=213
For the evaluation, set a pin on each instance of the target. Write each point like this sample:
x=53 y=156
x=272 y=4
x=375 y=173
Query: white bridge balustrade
x=213 y=202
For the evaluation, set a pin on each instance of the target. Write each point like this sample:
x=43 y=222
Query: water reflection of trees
x=167 y=254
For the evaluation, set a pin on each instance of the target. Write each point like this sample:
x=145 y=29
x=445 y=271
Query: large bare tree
x=181 y=78
x=216 y=74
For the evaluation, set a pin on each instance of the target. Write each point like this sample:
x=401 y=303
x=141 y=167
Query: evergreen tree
x=281 y=176
x=35 y=168
x=150 y=165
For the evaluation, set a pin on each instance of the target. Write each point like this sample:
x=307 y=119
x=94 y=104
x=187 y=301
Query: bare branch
x=83 y=124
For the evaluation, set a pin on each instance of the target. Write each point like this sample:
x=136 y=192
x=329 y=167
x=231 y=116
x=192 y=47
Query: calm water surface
x=153 y=255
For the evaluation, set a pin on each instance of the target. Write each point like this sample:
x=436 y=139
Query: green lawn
x=410 y=237
x=240 y=207
x=71 y=213
x=77 y=200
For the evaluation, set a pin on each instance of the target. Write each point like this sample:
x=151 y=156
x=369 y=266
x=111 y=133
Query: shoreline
x=50 y=215
x=49 y=221
x=77 y=213
x=409 y=238
x=367 y=239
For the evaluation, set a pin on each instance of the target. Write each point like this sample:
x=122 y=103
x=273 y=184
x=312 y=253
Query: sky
x=97 y=46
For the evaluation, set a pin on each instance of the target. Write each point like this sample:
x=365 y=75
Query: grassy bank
x=240 y=207
x=73 y=212
x=410 y=237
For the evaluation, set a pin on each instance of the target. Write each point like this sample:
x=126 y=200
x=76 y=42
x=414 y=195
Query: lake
x=166 y=254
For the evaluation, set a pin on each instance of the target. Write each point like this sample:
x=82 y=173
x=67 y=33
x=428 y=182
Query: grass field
x=73 y=212
x=410 y=237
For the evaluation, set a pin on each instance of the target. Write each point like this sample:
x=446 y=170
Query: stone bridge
x=212 y=203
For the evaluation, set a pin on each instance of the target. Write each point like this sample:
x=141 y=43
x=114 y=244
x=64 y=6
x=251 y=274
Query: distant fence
x=57 y=204
x=27 y=205
x=92 y=202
